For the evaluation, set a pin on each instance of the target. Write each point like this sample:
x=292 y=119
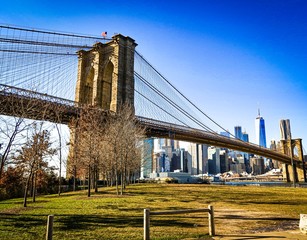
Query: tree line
x=104 y=146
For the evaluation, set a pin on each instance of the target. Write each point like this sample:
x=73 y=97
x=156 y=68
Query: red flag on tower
x=104 y=34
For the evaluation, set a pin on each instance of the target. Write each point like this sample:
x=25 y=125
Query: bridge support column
x=303 y=172
x=285 y=171
x=288 y=173
x=105 y=78
x=297 y=171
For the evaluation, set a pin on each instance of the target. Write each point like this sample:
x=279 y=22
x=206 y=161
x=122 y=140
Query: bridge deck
x=27 y=104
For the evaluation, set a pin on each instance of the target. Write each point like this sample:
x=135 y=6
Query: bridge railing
x=29 y=94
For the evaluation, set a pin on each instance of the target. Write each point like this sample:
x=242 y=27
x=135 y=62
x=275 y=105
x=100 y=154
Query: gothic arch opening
x=296 y=152
x=107 y=85
x=287 y=150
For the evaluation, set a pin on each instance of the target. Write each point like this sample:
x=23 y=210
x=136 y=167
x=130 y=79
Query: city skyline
x=233 y=56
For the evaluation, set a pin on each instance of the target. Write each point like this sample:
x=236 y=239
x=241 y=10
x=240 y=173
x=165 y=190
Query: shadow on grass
x=70 y=222
x=22 y=221
x=20 y=202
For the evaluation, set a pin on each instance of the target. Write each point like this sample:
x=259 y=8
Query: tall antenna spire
x=259 y=112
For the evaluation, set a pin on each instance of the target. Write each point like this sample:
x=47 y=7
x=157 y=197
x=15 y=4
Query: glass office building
x=260 y=131
x=238 y=132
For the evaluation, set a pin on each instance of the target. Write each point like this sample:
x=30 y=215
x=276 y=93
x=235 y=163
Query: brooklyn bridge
x=50 y=76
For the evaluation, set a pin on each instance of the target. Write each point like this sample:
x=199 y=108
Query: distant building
x=225 y=134
x=238 y=132
x=237 y=167
x=180 y=161
x=203 y=166
x=245 y=137
x=176 y=161
x=257 y=164
x=273 y=146
x=193 y=151
x=260 y=131
x=147 y=157
x=224 y=161
x=158 y=161
x=199 y=158
x=246 y=156
x=214 y=161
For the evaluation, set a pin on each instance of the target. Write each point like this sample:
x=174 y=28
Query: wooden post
x=146 y=223
x=211 y=221
x=49 y=227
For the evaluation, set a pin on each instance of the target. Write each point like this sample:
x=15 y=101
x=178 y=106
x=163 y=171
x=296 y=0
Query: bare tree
x=105 y=142
x=124 y=133
x=32 y=156
x=74 y=163
x=10 y=130
x=90 y=133
x=18 y=104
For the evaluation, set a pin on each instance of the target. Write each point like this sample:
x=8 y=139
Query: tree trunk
x=116 y=182
x=34 y=187
x=122 y=183
x=125 y=178
x=2 y=166
x=75 y=173
x=32 y=184
x=9 y=145
x=89 y=181
x=96 y=179
x=60 y=158
x=26 y=191
x=93 y=178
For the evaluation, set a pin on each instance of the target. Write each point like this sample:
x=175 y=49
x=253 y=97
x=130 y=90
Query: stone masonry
x=106 y=74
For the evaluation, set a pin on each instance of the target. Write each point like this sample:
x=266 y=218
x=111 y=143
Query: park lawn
x=107 y=216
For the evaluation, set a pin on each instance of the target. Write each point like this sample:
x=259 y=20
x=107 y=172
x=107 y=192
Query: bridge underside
x=27 y=104
x=44 y=107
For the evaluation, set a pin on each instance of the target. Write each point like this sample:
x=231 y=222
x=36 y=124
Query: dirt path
x=286 y=235
x=241 y=224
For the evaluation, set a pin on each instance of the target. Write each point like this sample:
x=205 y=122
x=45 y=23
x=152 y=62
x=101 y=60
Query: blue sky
x=230 y=57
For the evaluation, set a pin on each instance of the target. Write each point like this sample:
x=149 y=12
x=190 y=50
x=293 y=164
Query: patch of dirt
x=14 y=210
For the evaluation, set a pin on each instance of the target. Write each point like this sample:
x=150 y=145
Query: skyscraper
x=260 y=130
x=245 y=137
x=285 y=131
x=238 y=132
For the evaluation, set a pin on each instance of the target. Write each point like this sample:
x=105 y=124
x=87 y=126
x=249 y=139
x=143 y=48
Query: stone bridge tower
x=106 y=74
x=105 y=80
x=290 y=172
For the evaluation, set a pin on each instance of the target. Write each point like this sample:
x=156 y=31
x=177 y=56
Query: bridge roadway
x=28 y=104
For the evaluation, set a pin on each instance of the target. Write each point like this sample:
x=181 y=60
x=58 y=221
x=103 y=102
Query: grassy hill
x=107 y=216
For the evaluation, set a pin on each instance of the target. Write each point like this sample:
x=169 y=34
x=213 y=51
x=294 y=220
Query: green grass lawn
x=107 y=216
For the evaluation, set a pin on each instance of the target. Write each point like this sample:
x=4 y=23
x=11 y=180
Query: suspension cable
x=182 y=94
